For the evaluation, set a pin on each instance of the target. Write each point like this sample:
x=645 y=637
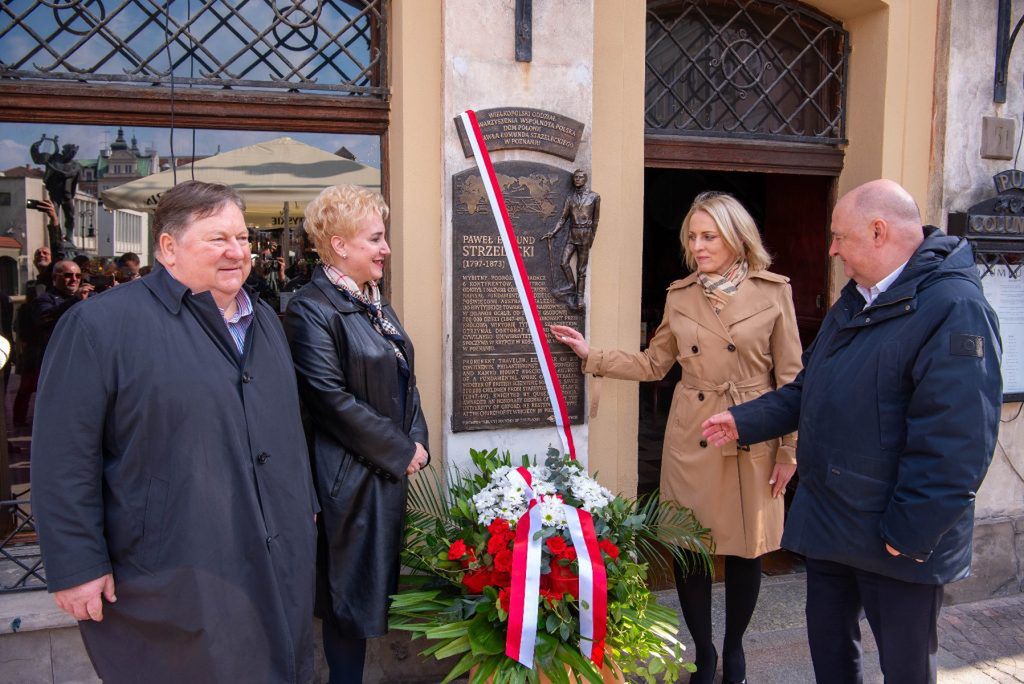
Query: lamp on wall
x=1004 y=46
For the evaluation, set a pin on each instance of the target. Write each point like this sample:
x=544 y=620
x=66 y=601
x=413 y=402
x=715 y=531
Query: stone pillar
x=479 y=72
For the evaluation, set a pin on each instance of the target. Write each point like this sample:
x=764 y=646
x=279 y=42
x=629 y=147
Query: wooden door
x=797 y=212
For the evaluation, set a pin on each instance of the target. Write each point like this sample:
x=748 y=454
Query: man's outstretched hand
x=720 y=429
x=85 y=602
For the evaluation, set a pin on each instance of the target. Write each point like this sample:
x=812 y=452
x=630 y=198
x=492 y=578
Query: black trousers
x=902 y=616
x=344 y=655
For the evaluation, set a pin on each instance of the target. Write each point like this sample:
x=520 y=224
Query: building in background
x=117 y=164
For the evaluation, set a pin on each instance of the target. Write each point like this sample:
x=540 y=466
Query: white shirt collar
x=870 y=294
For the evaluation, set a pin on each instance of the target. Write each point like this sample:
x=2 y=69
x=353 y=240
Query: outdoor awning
x=267 y=175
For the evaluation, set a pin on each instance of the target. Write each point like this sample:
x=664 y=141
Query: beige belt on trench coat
x=732 y=390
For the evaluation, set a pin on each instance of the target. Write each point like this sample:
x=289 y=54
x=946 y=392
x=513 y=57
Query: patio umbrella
x=268 y=175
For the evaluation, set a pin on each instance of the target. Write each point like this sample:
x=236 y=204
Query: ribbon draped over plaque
x=525 y=594
x=522 y=281
x=521 y=639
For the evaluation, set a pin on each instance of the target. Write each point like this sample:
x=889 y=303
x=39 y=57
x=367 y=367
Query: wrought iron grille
x=21 y=564
x=745 y=68
x=989 y=260
x=296 y=45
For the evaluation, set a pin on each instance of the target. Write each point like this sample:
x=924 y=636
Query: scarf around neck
x=721 y=288
x=368 y=299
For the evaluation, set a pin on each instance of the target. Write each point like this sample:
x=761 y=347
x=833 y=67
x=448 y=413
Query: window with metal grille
x=332 y=46
x=740 y=68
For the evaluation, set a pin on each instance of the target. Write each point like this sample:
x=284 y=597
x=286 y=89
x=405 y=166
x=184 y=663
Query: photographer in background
x=42 y=260
x=36 y=326
x=130 y=261
x=52 y=228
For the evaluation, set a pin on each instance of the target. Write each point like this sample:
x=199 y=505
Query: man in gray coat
x=170 y=477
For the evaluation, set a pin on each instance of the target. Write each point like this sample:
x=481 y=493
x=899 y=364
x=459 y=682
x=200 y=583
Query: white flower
x=552 y=513
x=592 y=495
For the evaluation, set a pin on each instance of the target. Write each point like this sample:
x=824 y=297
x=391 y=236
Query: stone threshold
x=30 y=611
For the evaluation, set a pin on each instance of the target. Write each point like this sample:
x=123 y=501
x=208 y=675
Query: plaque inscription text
x=497 y=381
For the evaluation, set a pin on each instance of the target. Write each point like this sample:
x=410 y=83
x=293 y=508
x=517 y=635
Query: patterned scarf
x=369 y=301
x=719 y=289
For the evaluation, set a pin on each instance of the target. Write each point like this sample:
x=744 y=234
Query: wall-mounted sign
x=995 y=228
x=497 y=382
x=1006 y=295
x=522 y=128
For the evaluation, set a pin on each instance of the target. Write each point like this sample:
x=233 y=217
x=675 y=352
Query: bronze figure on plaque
x=581 y=213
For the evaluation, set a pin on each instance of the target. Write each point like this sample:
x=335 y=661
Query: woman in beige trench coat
x=732 y=328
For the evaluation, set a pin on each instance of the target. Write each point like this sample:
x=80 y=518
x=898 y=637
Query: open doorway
x=792 y=212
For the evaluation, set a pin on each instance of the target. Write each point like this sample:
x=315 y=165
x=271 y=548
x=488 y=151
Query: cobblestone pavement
x=987 y=637
x=979 y=643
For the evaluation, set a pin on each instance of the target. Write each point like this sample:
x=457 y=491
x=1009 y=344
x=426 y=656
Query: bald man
x=898 y=410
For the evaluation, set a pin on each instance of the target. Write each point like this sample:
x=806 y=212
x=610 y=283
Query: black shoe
x=733 y=681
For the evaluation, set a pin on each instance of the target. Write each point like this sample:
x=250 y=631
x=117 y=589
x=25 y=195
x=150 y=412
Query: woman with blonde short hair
x=731 y=326
x=356 y=377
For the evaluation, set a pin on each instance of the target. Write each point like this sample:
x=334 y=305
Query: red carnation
x=470 y=557
x=500 y=528
x=551 y=595
x=569 y=553
x=503 y=561
x=505 y=599
x=611 y=549
x=556 y=545
x=457 y=550
x=496 y=544
x=476 y=580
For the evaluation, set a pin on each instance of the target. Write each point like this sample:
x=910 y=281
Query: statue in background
x=61 y=181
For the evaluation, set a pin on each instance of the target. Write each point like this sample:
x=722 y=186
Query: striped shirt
x=238 y=324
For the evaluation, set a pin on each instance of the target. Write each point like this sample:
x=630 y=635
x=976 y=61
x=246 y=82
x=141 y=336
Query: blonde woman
x=731 y=326
x=354 y=364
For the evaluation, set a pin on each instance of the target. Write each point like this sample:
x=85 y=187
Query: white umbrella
x=268 y=175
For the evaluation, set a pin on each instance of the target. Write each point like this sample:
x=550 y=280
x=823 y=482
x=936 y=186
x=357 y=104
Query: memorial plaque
x=497 y=379
x=522 y=128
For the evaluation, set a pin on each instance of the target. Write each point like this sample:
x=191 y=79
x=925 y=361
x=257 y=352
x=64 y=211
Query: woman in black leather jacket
x=367 y=433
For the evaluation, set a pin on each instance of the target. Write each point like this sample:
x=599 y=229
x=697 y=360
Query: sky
x=15 y=139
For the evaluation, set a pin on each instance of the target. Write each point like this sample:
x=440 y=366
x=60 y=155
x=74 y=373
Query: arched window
x=740 y=68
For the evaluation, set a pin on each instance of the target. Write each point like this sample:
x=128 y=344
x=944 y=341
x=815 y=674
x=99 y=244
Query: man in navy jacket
x=898 y=411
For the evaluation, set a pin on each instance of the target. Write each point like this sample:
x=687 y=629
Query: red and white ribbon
x=524 y=603
x=520 y=278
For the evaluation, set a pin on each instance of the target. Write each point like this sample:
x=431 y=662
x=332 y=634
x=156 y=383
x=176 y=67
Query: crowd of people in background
x=56 y=287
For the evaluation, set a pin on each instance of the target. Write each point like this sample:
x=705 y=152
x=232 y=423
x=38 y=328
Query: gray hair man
x=170 y=476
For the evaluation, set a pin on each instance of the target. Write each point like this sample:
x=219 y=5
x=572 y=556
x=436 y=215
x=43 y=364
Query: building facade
x=788 y=104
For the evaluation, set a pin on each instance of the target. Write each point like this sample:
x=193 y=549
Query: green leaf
x=486 y=670
x=454 y=647
x=447 y=631
x=464 y=665
x=551 y=623
x=486 y=638
x=556 y=673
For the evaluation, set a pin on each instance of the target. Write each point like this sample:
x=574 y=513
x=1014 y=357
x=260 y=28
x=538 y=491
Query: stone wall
x=960 y=177
x=480 y=72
